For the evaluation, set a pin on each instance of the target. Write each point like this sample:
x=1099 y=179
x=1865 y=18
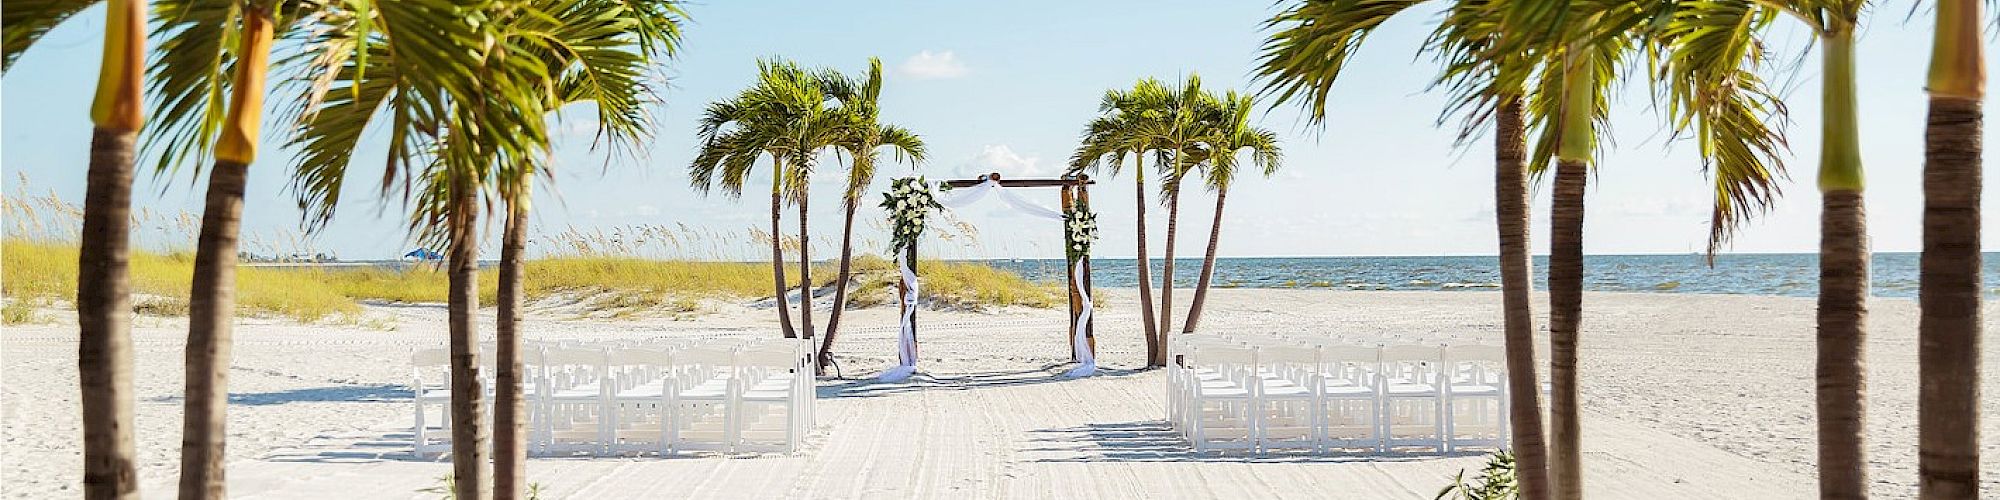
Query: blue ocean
x=1797 y=275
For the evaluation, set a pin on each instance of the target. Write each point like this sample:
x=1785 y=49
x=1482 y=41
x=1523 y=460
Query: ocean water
x=1894 y=274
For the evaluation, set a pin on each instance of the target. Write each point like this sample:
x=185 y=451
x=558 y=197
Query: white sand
x=1686 y=397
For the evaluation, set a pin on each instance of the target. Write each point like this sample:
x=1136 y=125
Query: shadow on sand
x=1052 y=373
x=375 y=393
x=1154 y=441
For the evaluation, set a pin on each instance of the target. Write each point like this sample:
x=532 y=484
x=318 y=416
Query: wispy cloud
x=1002 y=159
x=929 y=65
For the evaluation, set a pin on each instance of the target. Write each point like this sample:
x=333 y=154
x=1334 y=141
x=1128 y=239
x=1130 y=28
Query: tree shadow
x=1155 y=441
x=376 y=393
x=1047 y=374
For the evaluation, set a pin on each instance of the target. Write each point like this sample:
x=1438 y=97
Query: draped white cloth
x=965 y=197
x=906 y=341
x=1086 y=362
x=906 y=348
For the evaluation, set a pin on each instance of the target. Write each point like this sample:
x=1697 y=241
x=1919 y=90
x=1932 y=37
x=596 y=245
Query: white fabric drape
x=1086 y=362
x=906 y=341
x=964 y=197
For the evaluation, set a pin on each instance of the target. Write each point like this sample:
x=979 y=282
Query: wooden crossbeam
x=961 y=183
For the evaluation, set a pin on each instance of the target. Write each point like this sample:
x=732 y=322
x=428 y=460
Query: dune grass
x=42 y=274
x=601 y=270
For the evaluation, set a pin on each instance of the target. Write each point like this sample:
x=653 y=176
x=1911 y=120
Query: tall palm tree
x=1706 y=55
x=595 y=51
x=1311 y=43
x=1843 y=294
x=1128 y=117
x=463 y=104
x=103 y=292
x=1189 y=116
x=867 y=136
x=1232 y=135
x=784 y=115
x=192 y=73
x=1949 y=328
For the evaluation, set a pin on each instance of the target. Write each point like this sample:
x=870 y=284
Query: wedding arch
x=910 y=201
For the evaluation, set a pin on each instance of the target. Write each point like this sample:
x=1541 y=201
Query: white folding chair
x=770 y=406
x=1349 y=397
x=642 y=407
x=1221 y=413
x=1289 y=397
x=430 y=384
x=576 y=401
x=704 y=385
x=1476 y=397
x=1412 y=402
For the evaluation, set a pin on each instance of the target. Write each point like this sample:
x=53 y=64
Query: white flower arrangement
x=909 y=201
x=1079 y=230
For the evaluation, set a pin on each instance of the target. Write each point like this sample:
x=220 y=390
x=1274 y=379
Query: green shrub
x=1495 y=482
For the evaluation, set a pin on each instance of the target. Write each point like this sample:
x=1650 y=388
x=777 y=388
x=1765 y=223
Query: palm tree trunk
x=468 y=436
x=1948 y=329
x=778 y=249
x=1843 y=281
x=212 y=295
x=104 y=319
x=1207 y=263
x=805 y=272
x=103 y=291
x=1517 y=283
x=510 y=452
x=1565 y=317
x=1156 y=352
x=1167 y=270
x=1842 y=314
x=839 y=285
x=211 y=304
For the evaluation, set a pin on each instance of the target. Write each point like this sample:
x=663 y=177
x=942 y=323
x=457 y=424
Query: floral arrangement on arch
x=909 y=201
x=1079 y=230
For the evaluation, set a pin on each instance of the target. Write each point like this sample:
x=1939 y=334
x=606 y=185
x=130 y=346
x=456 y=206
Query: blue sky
x=1006 y=87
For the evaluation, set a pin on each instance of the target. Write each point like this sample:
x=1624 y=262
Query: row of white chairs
x=1270 y=392
x=630 y=398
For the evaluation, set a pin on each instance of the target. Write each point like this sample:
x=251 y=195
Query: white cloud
x=929 y=65
x=1002 y=159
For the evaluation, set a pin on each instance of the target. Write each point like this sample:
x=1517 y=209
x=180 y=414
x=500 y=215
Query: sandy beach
x=1686 y=396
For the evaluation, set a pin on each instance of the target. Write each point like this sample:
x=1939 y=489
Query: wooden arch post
x=1082 y=187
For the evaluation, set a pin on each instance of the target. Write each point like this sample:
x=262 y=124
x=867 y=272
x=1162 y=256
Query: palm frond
x=1311 y=43
x=23 y=22
x=189 y=79
x=1705 y=58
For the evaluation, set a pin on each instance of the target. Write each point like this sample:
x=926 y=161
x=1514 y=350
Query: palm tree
x=464 y=109
x=196 y=123
x=1189 y=116
x=103 y=293
x=785 y=116
x=1949 y=294
x=1706 y=55
x=1232 y=135
x=597 y=51
x=1125 y=127
x=861 y=100
x=1843 y=294
x=1312 y=42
